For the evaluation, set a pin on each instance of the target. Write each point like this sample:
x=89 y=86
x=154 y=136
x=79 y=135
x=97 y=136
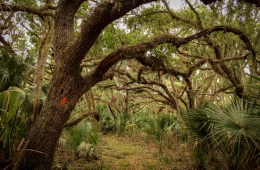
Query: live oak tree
x=70 y=47
x=203 y=73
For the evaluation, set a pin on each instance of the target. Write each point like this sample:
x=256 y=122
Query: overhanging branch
x=134 y=51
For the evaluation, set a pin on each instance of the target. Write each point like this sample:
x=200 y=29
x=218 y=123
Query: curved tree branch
x=134 y=51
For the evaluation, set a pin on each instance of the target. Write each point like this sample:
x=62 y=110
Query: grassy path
x=126 y=154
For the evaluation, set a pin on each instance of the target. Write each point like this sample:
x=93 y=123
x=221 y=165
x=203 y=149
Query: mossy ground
x=128 y=153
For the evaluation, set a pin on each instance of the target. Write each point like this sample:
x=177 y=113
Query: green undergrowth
x=128 y=153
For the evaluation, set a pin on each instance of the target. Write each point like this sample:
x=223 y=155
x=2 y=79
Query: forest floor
x=128 y=153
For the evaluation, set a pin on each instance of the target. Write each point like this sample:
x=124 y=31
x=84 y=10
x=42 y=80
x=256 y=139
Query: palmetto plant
x=135 y=123
x=160 y=127
x=13 y=71
x=233 y=130
x=121 y=122
x=82 y=138
x=107 y=123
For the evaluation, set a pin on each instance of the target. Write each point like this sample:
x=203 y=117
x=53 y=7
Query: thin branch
x=109 y=103
x=168 y=98
x=177 y=18
x=199 y=23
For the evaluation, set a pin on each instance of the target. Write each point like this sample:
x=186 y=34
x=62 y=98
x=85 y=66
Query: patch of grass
x=166 y=159
x=124 y=153
x=149 y=166
x=92 y=166
x=116 y=155
x=124 y=164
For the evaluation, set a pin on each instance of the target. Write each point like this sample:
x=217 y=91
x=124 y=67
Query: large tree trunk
x=64 y=93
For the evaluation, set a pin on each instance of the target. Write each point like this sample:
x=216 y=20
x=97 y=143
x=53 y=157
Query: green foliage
x=82 y=138
x=121 y=121
x=12 y=121
x=135 y=122
x=232 y=130
x=160 y=127
x=254 y=87
x=107 y=121
x=148 y=22
x=13 y=71
x=110 y=124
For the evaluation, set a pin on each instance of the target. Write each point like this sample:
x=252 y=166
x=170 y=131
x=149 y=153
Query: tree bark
x=175 y=95
x=43 y=137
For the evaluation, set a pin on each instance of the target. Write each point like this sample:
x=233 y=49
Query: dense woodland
x=180 y=78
